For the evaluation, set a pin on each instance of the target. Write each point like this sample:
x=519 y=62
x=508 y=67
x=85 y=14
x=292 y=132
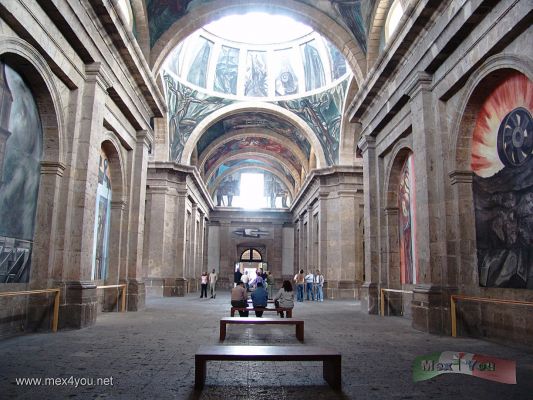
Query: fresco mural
x=20 y=178
x=322 y=112
x=274 y=188
x=314 y=69
x=251 y=143
x=407 y=223
x=286 y=80
x=198 y=71
x=186 y=107
x=502 y=162
x=227 y=189
x=338 y=64
x=250 y=121
x=226 y=72
x=102 y=220
x=256 y=74
x=174 y=61
x=162 y=14
x=350 y=13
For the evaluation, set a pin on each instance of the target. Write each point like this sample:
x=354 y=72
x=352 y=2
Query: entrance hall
x=150 y=355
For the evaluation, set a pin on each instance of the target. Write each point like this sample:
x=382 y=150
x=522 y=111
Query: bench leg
x=300 y=332
x=200 y=367
x=232 y=312
x=331 y=370
x=222 y=330
x=289 y=313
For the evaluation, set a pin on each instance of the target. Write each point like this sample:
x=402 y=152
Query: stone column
x=136 y=286
x=180 y=282
x=116 y=272
x=78 y=298
x=430 y=208
x=193 y=249
x=369 y=289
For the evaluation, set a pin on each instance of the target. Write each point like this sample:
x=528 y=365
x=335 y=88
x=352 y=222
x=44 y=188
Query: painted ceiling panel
x=252 y=143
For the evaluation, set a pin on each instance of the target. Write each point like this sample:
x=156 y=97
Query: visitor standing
x=246 y=280
x=203 y=284
x=284 y=298
x=299 y=279
x=270 y=285
x=237 y=276
x=239 y=298
x=309 y=279
x=213 y=277
x=319 y=286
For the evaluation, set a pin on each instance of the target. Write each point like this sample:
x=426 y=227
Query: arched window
x=393 y=19
x=249 y=255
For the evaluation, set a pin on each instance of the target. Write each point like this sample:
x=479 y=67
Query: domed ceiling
x=285 y=97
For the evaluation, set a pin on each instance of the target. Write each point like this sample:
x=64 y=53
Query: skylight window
x=393 y=19
x=251 y=192
x=258 y=28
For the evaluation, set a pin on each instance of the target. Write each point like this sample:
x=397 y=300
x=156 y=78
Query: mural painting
x=229 y=187
x=186 y=107
x=252 y=143
x=407 y=223
x=198 y=71
x=502 y=162
x=102 y=220
x=256 y=74
x=322 y=112
x=19 y=178
x=286 y=80
x=227 y=70
x=314 y=69
x=162 y=14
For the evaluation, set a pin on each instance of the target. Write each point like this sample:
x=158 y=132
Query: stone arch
x=300 y=11
x=377 y=25
x=274 y=171
x=141 y=25
x=239 y=107
x=476 y=90
x=263 y=133
x=36 y=73
x=347 y=140
x=250 y=154
x=112 y=148
x=27 y=61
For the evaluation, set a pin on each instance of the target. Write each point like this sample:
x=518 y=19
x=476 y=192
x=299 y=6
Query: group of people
x=211 y=280
x=264 y=277
x=284 y=298
x=312 y=284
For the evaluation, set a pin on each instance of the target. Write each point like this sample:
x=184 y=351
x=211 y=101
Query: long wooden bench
x=331 y=359
x=299 y=323
x=287 y=310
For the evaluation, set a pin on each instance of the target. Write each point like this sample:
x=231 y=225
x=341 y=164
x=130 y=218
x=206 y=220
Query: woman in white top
x=285 y=297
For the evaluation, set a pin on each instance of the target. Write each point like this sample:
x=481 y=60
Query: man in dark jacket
x=259 y=298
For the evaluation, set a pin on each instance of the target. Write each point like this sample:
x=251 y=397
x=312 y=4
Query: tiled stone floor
x=150 y=355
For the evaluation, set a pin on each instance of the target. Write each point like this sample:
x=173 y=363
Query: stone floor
x=150 y=355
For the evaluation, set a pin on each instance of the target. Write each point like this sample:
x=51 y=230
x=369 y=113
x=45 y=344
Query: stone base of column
x=369 y=298
x=429 y=308
x=136 y=295
x=174 y=287
x=78 y=308
x=348 y=290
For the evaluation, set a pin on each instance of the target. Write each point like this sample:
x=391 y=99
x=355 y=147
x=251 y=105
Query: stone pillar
x=369 y=289
x=309 y=242
x=116 y=272
x=78 y=298
x=430 y=208
x=136 y=286
x=180 y=283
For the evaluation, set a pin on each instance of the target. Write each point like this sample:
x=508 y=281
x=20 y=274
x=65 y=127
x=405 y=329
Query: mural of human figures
x=502 y=162
x=102 y=220
x=407 y=223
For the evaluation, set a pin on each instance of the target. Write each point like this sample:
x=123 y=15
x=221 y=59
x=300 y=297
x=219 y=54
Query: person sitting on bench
x=285 y=297
x=259 y=298
x=239 y=298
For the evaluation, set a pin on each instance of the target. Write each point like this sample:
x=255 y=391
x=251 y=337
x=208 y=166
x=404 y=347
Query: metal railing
x=56 y=301
x=455 y=297
x=123 y=291
x=383 y=290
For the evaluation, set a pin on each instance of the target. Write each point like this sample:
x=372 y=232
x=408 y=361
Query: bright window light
x=251 y=192
x=258 y=28
x=393 y=19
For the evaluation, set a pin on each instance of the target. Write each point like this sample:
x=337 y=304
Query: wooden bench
x=331 y=359
x=287 y=310
x=269 y=301
x=299 y=323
